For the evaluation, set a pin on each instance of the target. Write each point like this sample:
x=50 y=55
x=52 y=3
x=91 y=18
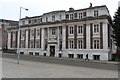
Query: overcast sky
x=10 y=9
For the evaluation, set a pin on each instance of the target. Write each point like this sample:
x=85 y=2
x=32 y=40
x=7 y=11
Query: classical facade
x=72 y=34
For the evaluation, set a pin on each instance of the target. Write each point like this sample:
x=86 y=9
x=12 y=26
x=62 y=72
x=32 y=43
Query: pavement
x=49 y=67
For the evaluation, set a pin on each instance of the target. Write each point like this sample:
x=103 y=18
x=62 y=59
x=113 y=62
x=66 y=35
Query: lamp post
x=18 y=46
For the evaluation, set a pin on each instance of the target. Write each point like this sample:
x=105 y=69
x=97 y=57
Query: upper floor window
x=37 y=44
x=96 y=28
x=67 y=16
x=46 y=19
x=29 y=21
x=75 y=15
x=96 y=13
x=53 y=31
x=96 y=44
x=71 y=44
x=38 y=32
x=84 y=14
x=60 y=17
x=53 y=18
x=23 y=33
x=35 y=20
x=80 y=44
x=80 y=15
x=71 y=30
x=23 y=22
x=32 y=32
x=71 y=16
x=60 y=30
x=80 y=29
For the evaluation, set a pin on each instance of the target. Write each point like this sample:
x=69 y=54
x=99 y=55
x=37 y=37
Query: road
x=45 y=67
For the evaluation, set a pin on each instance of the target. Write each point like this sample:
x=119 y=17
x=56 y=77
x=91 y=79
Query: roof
x=67 y=11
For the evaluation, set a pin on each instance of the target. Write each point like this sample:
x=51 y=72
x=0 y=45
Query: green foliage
x=116 y=27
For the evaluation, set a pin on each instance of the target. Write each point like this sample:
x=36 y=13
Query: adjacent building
x=72 y=34
x=4 y=25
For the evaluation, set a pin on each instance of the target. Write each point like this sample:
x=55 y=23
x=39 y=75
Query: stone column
x=9 y=40
x=42 y=41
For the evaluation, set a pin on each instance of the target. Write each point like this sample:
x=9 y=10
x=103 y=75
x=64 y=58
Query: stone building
x=72 y=34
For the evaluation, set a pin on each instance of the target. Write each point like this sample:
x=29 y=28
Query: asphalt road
x=61 y=61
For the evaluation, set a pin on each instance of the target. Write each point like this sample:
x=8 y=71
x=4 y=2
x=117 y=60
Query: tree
x=116 y=27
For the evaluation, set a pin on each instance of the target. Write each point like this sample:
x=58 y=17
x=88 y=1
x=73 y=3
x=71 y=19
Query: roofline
x=67 y=11
x=68 y=21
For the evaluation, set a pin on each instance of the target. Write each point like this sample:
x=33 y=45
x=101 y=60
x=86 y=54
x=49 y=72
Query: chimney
x=90 y=5
x=71 y=9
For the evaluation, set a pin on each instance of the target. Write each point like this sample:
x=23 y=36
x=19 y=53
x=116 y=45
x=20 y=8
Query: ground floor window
x=71 y=44
x=80 y=56
x=96 y=57
x=21 y=52
x=30 y=53
x=36 y=53
x=71 y=55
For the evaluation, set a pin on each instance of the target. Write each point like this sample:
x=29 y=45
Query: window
x=96 y=13
x=53 y=18
x=53 y=31
x=36 y=53
x=29 y=21
x=37 y=44
x=96 y=57
x=71 y=30
x=38 y=32
x=75 y=15
x=35 y=20
x=80 y=29
x=61 y=30
x=67 y=16
x=23 y=33
x=71 y=55
x=96 y=28
x=84 y=14
x=46 y=19
x=32 y=32
x=80 y=44
x=71 y=44
x=60 y=17
x=23 y=22
x=71 y=16
x=96 y=44
x=80 y=15
x=80 y=56
x=31 y=44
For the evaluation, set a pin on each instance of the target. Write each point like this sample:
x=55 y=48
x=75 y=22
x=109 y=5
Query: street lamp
x=18 y=53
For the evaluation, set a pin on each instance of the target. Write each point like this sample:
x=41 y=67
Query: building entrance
x=52 y=51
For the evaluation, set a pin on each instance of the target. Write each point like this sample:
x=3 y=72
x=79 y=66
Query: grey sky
x=10 y=8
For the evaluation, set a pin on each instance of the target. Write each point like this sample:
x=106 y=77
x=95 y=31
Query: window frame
x=80 y=44
x=96 y=44
x=80 y=29
x=71 y=44
x=96 y=28
x=53 y=32
x=71 y=30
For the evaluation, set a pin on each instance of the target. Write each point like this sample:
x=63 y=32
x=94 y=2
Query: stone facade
x=73 y=34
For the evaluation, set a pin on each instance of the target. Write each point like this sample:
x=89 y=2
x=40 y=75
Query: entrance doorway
x=52 y=51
